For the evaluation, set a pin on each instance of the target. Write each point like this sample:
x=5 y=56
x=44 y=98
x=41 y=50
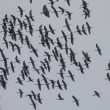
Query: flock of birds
x=17 y=34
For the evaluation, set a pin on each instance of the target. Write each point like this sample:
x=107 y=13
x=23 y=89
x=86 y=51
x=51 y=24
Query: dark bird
x=33 y=63
x=43 y=63
x=39 y=98
x=96 y=94
x=3 y=70
x=12 y=66
x=55 y=11
x=59 y=85
x=64 y=36
x=47 y=43
x=88 y=27
x=12 y=45
x=34 y=104
x=48 y=56
x=84 y=4
x=48 y=65
x=25 y=25
x=75 y=100
x=61 y=73
x=55 y=56
x=67 y=24
x=53 y=83
x=108 y=76
x=30 y=15
x=22 y=74
x=51 y=29
x=64 y=84
x=21 y=11
x=68 y=14
x=21 y=93
x=66 y=48
x=86 y=56
x=19 y=81
x=78 y=30
x=3 y=82
x=81 y=68
x=62 y=9
x=27 y=19
x=27 y=42
x=5 y=42
x=18 y=48
x=6 y=18
x=86 y=13
x=72 y=38
x=51 y=2
x=46 y=11
x=68 y=2
x=46 y=81
x=59 y=44
x=98 y=49
x=60 y=97
x=34 y=50
x=17 y=60
x=86 y=63
x=71 y=75
x=30 y=96
x=108 y=66
x=20 y=36
x=42 y=69
x=14 y=19
x=30 y=1
x=83 y=29
x=34 y=95
x=72 y=55
x=56 y=51
x=39 y=84
x=30 y=79
x=62 y=62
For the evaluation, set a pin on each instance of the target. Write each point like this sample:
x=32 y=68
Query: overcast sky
x=84 y=85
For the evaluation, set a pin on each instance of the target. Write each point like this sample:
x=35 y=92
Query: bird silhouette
x=21 y=11
x=46 y=11
x=60 y=97
x=98 y=49
x=96 y=94
x=75 y=100
x=21 y=93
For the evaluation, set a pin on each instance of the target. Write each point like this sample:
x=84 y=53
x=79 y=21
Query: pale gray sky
x=83 y=88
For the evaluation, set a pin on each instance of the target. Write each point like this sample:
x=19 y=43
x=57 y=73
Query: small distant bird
x=68 y=14
x=21 y=11
x=96 y=94
x=62 y=9
x=68 y=2
x=21 y=93
x=46 y=11
x=60 y=97
x=30 y=1
x=98 y=49
x=108 y=76
x=75 y=100
x=88 y=27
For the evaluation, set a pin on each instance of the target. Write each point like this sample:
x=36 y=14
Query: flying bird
x=60 y=97
x=75 y=100
x=96 y=94
x=98 y=49
x=21 y=11
x=46 y=11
